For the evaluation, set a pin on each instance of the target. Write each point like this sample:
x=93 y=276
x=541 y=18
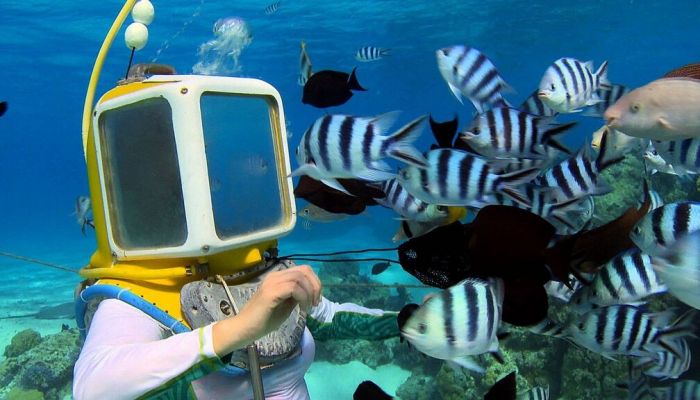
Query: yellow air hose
x=97 y=69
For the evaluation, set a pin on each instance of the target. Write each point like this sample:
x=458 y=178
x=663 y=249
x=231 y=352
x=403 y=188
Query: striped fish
x=457 y=178
x=535 y=106
x=304 y=66
x=681 y=390
x=627 y=278
x=679 y=267
x=574 y=221
x=409 y=207
x=577 y=176
x=504 y=132
x=370 y=53
x=608 y=97
x=343 y=146
x=683 y=155
x=560 y=291
x=569 y=84
x=628 y=330
x=459 y=322
x=536 y=393
x=272 y=8
x=661 y=227
x=547 y=327
x=664 y=364
x=469 y=73
x=653 y=162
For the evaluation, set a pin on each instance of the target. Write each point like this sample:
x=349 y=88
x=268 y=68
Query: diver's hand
x=278 y=294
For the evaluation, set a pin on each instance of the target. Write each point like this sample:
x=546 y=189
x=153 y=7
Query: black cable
x=341 y=252
x=131 y=59
x=337 y=259
x=40 y=262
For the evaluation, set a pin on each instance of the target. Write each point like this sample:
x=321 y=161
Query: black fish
x=330 y=88
x=380 y=267
x=369 y=390
x=3 y=108
x=444 y=132
x=504 y=389
x=335 y=201
x=483 y=249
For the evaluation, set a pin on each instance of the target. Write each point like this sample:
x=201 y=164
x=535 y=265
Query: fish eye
x=476 y=130
x=552 y=87
x=581 y=325
x=422 y=328
x=445 y=52
x=441 y=208
x=305 y=211
x=634 y=108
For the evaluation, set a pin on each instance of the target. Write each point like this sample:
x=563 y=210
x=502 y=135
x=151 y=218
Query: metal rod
x=253 y=358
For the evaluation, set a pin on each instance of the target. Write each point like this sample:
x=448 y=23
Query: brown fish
x=687 y=71
x=335 y=201
x=665 y=109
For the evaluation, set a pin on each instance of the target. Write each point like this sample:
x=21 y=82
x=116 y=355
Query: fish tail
x=548 y=140
x=384 y=52
x=507 y=184
x=682 y=327
x=602 y=76
x=353 y=83
x=603 y=161
x=399 y=145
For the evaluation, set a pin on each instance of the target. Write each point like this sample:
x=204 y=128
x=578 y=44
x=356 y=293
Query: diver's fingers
x=315 y=282
x=295 y=285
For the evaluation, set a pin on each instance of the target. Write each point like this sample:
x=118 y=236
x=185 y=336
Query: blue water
x=47 y=49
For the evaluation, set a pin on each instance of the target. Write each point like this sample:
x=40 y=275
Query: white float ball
x=143 y=12
x=136 y=35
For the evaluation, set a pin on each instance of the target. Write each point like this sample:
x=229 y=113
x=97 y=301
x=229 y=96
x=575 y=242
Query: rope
x=40 y=262
x=337 y=259
x=342 y=252
x=377 y=285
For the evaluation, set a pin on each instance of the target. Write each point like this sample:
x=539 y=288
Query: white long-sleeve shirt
x=128 y=354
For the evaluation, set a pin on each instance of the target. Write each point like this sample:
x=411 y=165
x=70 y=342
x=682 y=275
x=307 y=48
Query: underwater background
x=47 y=50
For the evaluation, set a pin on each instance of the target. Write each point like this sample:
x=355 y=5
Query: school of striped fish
x=512 y=156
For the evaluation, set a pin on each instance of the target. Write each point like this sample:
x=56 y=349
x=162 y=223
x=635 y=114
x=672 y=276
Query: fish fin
x=498 y=356
x=353 y=83
x=383 y=122
x=444 y=132
x=664 y=123
x=368 y=390
x=332 y=183
x=306 y=169
x=602 y=75
x=479 y=106
x=465 y=362
x=456 y=92
x=384 y=52
x=399 y=144
x=374 y=175
x=506 y=183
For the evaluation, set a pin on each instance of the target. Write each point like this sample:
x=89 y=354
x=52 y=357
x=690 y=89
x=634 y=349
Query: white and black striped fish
x=627 y=278
x=560 y=291
x=607 y=97
x=409 y=207
x=661 y=227
x=578 y=176
x=304 y=66
x=681 y=390
x=469 y=73
x=272 y=8
x=569 y=84
x=666 y=365
x=536 y=393
x=575 y=221
x=370 y=53
x=504 y=132
x=343 y=146
x=457 y=178
x=535 y=106
x=683 y=155
x=548 y=327
x=628 y=330
x=459 y=322
x=654 y=197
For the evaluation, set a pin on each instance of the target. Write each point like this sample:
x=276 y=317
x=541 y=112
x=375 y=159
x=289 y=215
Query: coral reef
x=44 y=370
x=21 y=342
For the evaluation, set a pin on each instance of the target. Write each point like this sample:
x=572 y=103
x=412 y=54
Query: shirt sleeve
x=125 y=354
x=330 y=320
